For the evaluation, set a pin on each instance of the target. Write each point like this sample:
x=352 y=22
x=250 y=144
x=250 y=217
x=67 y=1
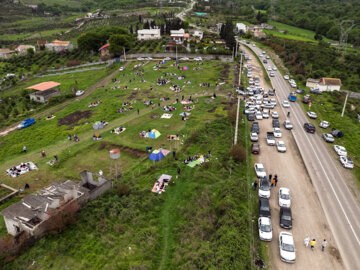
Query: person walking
x=273 y=182
x=174 y=154
x=312 y=244
x=24 y=149
x=178 y=170
x=323 y=245
x=307 y=241
x=288 y=114
x=270 y=177
x=255 y=184
x=138 y=111
x=43 y=154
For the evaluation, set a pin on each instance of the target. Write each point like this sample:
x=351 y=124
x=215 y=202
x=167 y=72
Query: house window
x=152 y=35
x=38 y=98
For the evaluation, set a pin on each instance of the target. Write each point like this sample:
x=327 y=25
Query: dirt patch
x=335 y=252
x=212 y=110
x=152 y=97
x=224 y=74
x=132 y=95
x=131 y=151
x=146 y=91
x=162 y=67
x=73 y=118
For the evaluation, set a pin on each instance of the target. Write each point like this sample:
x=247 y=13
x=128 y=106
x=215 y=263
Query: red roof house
x=104 y=50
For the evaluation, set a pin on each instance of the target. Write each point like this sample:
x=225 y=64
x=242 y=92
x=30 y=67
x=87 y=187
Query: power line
x=344 y=33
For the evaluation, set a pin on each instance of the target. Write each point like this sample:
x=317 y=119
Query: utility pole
x=241 y=60
x=176 y=53
x=124 y=54
x=345 y=33
x=343 y=110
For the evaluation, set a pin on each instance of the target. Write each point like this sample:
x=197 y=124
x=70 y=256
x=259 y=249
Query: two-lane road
x=340 y=207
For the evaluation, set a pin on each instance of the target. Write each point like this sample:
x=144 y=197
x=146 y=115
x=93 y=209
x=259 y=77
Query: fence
x=221 y=57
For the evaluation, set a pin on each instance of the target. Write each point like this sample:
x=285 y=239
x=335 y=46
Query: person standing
x=323 y=245
x=178 y=170
x=307 y=241
x=270 y=177
x=174 y=154
x=138 y=111
x=43 y=154
x=24 y=149
x=255 y=184
x=275 y=180
x=101 y=173
x=312 y=244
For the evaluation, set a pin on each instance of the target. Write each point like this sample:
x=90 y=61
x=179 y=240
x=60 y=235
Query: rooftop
x=44 y=86
x=330 y=81
x=149 y=31
x=104 y=46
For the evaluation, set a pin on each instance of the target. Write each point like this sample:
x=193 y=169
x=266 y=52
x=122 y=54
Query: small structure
x=35 y=212
x=6 y=53
x=58 y=45
x=104 y=50
x=179 y=36
x=240 y=27
x=148 y=34
x=45 y=91
x=207 y=7
x=41 y=44
x=259 y=34
x=22 y=49
x=198 y=34
x=324 y=84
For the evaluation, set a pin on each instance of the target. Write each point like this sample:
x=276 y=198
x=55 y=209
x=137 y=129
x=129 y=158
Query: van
x=264 y=207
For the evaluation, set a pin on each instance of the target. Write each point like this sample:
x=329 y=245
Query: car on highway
x=284 y=197
x=258 y=116
x=324 y=124
x=254 y=137
x=264 y=188
x=328 y=137
x=346 y=162
x=265 y=114
x=255 y=148
x=184 y=58
x=140 y=59
x=275 y=123
x=340 y=150
x=259 y=170
x=265 y=61
x=280 y=145
x=265 y=229
x=255 y=127
x=274 y=68
x=275 y=115
x=272 y=74
x=26 y=123
x=267 y=57
x=269 y=68
x=288 y=125
x=264 y=208
x=312 y=115
x=287 y=247
x=310 y=128
x=286 y=104
x=286 y=77
x=285 y=218
x=251 y=117
x=277 y=133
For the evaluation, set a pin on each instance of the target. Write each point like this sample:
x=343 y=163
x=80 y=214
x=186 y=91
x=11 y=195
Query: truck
x=270 y=138
x=292 y=97
x=26 y=123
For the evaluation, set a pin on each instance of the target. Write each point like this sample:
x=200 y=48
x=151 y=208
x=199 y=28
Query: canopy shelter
x=156 y=155
x=153 y=134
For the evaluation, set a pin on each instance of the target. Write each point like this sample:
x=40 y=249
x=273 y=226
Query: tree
x=318 y=36
x=146 y=25
x=119 y=42
x=30 y=52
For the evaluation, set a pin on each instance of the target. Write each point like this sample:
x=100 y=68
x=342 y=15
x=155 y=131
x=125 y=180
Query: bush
x=123 y=190
x=238 y=153
x=72 y=63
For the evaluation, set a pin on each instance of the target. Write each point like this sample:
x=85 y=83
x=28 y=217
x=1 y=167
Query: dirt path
x=61 y=106
x=308 y=216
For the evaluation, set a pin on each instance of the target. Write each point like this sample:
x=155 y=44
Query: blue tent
x=163 y=62
x=156 y=155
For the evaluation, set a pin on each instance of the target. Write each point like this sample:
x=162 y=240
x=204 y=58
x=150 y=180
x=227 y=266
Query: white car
x=260 y=170
x=272 y=74
x=121 y=68
x=79 y=93
x=324 y=124
x=167 y=58
x=265 y=114
x=258 y=116
x=286 y=104
x=269 y=68
x=280 y=145
x=274 y=68
x=274 y=115
x=198 y=58
x=251 y=81
x=312 y=115
x=184 y=58
x=254 y=45
x=277 y=133
x=265 y=229
x=249 y=75
x=148 y=58
x=140 y=59
x=287 y=247
x=254 y=137
x=284 y=197
x=286 y=77
x=346 y=162
x=288 y=124
x=264 y=188
x=340 y=150
x=273 y=101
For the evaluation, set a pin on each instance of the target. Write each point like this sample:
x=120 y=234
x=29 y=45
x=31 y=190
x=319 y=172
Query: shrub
x=123 y=190
x=238 y=153
x=72 y=63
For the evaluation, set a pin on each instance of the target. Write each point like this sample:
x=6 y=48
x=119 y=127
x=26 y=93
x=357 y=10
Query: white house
x=148 y=34
x=324 y=84
x=179 y=35
x=6 y=53
x=22 y=49
x=240 y=27
x=198 y=34
x=58 y=45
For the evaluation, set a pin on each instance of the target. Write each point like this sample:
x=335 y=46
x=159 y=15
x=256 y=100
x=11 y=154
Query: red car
x=255 y=148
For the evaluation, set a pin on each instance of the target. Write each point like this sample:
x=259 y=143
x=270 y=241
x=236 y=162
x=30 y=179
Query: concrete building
x=45 y=91
x=240 y=27
x=148 y=34
x=58 y=45
x=198 y=34
x=22 y=49
x=324 y=84
x=6 y=53
x=179 y=36
x=35 y=211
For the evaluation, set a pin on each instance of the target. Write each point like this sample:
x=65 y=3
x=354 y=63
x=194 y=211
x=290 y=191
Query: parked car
x=148 y=58
x=255 y=127
x=275 y=123
x=140 y=59
x=259 y=170
x=251 y=117
x=310 y=128
x=121 y=68
x=255 y=148
x=312 y=115
x=254 y=137
x=315 y=91
x=285 y=218
x=79 y=93
x=337 y=133
x=277 y=133
x=271 y=92
x=184 y=58
x=340 y=150
x=288 y=125
x=324 y=124
x=26 y=123
x=259 y=116
x=287 y=247
x=265 y=114
x=284 y=197
x=265 y=229
x=274 y=115
x=264 y=188
x=273 y=101
x=328 y=137
x=167 y=58
x=300 y=91
x=268 y=106
x=306 y=99
x=198 y=58
x=346 y=162
x=264 y=208
x=286 y=77
x=280 y=145
x=286 y=104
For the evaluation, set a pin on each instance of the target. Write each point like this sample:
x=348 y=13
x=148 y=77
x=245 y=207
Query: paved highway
x=340 y=207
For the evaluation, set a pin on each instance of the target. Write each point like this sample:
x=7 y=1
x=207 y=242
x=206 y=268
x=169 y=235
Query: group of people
x=94 y=104
x=205 y=84
x=168 y=108
x=97 y=137
x=187 y=108
x=118 y=130
x=161 y=81
x=273 y=181
x=18 y=170
x=312 y=243
x=76 y=138
x=124 y=109
x=196 y=157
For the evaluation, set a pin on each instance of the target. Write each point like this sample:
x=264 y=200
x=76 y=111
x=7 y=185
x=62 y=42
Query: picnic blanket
x=167 y=115
x=173 y=137
x=161 y=183
x=199 y=161
x=49 y=118
x=186 y=102
x=117 y=131
x=21 y=169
